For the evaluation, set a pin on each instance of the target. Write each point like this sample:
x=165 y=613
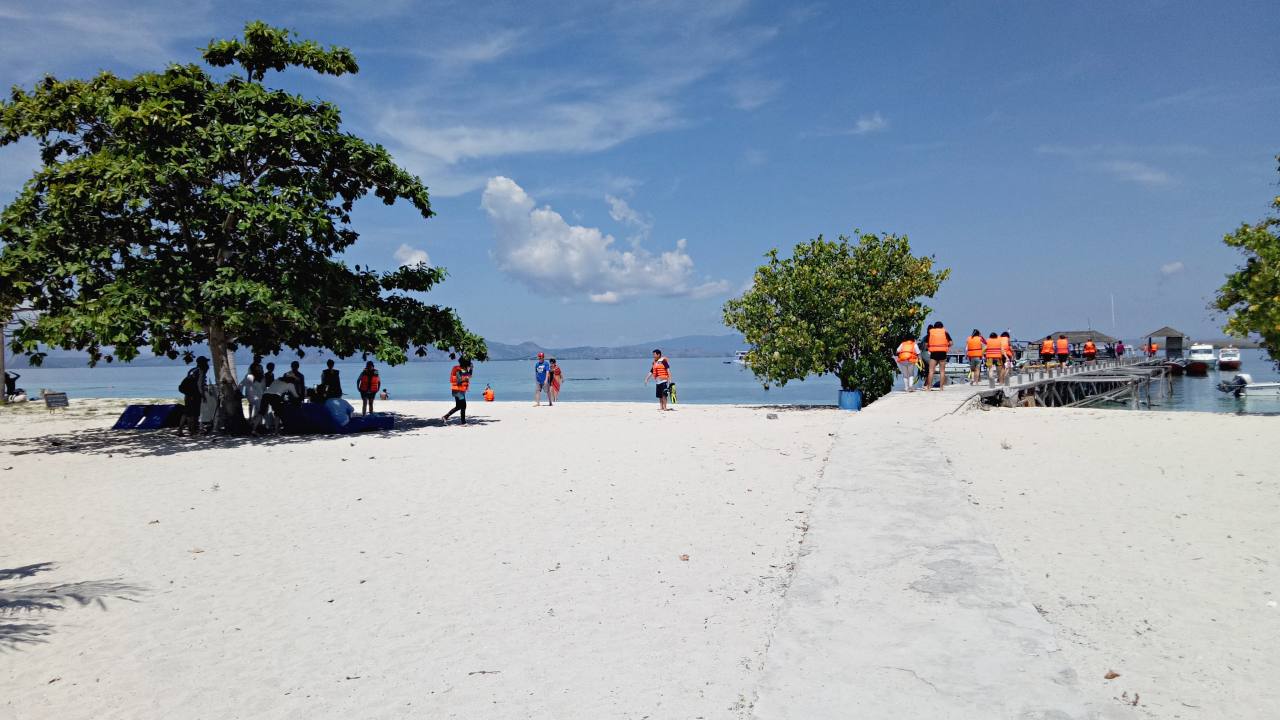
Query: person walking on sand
x=908 y=358
x=554 y=378
x=660 y=373
x=459 y=383
x=975 y=348
x=541 y=372
x=368 y=384
x=938 y=343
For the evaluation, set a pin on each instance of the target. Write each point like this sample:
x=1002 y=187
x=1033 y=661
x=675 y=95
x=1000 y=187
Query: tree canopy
x=177 y=207
x=835 y=308
x=1251 y=295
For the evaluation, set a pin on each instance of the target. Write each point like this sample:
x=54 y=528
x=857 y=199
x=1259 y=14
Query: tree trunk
x=4 y=393
x=224 y=376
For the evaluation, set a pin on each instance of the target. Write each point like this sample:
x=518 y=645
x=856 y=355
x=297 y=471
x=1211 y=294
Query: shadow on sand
x=153 y=443
x=24 y=609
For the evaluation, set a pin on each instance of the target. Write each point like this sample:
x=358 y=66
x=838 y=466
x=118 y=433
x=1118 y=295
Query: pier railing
x=1130 y=380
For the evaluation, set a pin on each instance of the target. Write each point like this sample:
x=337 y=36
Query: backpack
x=188 y=385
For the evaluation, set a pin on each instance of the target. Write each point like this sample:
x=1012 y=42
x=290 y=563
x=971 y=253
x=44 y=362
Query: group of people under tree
x=996 y=352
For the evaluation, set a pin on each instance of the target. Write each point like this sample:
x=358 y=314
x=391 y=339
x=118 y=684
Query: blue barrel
x=850 y=399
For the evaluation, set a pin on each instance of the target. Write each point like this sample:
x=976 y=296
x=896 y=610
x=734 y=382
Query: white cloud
x=750 y=93
x=536 y=246
x=622 y=212
x=754 y=157
x=1138 y=172
x=874 y=122
x=1172 y=268
x=408 y=255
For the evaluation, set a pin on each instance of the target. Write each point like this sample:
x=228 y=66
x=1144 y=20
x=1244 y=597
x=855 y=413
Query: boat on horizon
x=741 y=357
x=1229 y=358
x=1200 y=359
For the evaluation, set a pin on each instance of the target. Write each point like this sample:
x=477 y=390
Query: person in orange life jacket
x=974 y=351
x=1063 y=348
x=660 y=373
x=938 y=343
x=368 y=384
x=907 y=356
x=1152 y=348
x=1090 y=350
x=1046 y=349
x=1006 y=344
x=994 y=354
x=459 y=383
x=488 y=394
x=541 y=376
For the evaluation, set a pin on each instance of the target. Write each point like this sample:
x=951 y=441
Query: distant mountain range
x=686 y=346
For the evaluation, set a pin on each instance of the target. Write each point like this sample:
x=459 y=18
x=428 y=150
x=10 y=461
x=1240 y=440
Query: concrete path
x=899 y=607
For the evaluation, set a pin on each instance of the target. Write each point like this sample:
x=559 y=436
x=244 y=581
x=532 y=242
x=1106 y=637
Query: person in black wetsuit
x=330 y=383
x=192 y=389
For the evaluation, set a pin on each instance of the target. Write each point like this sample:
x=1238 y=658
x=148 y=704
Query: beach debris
x=1005 y=444
x=195 y=551
x=685 y=558
x=1111 y=675
x=484 y=672
x=154 y=522
x=9 y=468
x=771 y=416
x=1124 y=698
x=557 y=567
x=53 y=681
x=352 y=677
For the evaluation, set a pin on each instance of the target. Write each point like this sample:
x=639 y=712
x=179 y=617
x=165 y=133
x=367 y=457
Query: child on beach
x=459 y=383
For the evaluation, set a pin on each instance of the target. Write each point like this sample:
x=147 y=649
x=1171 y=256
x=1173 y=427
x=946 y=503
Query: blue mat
x=161 y=416
x=310 y=418
x=130 y=418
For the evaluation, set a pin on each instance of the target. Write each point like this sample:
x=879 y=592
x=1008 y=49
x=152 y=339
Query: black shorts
x=1063 y=357
x=1091 y=356
x=367 y=395
x=939 y=355
x=661 y=389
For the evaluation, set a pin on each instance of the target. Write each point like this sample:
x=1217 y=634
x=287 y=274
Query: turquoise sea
x=699 y=380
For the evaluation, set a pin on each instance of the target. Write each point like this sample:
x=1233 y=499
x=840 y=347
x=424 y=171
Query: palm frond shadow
x=33 y=602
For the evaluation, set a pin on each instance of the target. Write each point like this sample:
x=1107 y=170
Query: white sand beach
x=609 y=561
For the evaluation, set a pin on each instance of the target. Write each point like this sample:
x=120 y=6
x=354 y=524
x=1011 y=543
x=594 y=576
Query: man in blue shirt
x=542 y=376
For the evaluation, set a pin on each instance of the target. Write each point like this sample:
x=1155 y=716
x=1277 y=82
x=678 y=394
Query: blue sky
x=611 y=172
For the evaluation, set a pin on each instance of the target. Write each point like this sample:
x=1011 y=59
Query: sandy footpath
x=1151 y=541
x=528 y=566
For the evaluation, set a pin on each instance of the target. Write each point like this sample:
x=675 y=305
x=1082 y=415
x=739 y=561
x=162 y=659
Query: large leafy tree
x=1251 y=295
x=835 y=308
x=183 y=207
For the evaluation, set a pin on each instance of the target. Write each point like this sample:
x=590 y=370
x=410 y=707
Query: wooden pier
x=1131 y=381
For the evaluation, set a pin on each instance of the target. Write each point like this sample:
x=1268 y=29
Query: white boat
x=1200 y=358
x=740 y=357
x=1228 y=359
x=957 y=364
x=1243 y=386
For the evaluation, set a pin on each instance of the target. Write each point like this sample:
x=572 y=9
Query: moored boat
x=1200 y=359
x=1243 y=386
x=1228 y=359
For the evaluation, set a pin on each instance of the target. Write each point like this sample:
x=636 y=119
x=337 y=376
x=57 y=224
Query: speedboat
x=1243 y=386
x=1228 y=359
x=957 y=364
x=1200 y=358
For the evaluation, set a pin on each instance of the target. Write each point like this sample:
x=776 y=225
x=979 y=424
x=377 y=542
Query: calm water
x=700 y=380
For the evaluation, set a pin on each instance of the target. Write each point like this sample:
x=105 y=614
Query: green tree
x=1251 y=295
x=175 y=208
x=835 y=307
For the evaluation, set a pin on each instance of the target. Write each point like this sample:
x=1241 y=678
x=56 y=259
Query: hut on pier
x=1171 y=341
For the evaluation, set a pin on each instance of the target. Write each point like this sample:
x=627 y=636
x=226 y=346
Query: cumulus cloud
x=408 y=255
x=1172 y=268
x=536 y=246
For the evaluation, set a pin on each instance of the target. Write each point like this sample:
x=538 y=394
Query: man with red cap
x=542 y=376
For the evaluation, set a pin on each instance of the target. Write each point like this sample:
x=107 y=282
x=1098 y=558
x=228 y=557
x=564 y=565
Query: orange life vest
x=1064 y=347
x=459 y=379
x=1006 y=347
x=368 y=382
x=1046 y=347
x=1090 y=348
x=974 y=349
x=907 y=351
x=660 y=371
x=994 y=350
x=488 y=394
x=938 y=340
x=1153 y=348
